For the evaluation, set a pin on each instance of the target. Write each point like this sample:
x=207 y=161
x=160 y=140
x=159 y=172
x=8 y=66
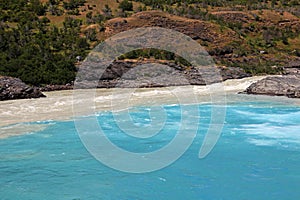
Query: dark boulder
x=14 y=88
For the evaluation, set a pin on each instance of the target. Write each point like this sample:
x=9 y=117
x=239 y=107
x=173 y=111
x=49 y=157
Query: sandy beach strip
x=59 y=104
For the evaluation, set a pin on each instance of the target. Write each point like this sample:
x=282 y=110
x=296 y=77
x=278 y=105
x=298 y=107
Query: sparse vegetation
x=39 y=40
x=126 y=5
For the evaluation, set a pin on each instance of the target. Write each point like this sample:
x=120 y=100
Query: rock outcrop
x=136 y=73
x=128 y=73
x=49 y=88
x=14 y=88
x=286 y=85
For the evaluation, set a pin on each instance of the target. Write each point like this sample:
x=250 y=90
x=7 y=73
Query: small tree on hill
x=126 y=6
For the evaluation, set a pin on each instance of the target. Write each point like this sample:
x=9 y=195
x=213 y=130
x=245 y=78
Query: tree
x=91 y=34
x=126 y=6
x=36 y=7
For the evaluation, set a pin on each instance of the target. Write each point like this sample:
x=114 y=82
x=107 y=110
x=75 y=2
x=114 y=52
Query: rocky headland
x=287 y=84
x=154 y=73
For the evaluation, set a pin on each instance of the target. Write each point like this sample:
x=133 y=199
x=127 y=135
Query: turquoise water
x=257 y=157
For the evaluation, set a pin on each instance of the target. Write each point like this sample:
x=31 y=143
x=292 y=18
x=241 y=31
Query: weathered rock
x=292 y=71
x=49 y=88
x=233 y=73
x=14 y=88
x=287 y=85
x=131 y=73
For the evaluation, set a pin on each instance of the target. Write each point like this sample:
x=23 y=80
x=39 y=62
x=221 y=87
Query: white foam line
x=19 y=129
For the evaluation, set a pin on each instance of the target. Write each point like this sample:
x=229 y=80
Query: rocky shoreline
x=14 y=88
x=287 y=84
x=150 y=73
x=119 y=74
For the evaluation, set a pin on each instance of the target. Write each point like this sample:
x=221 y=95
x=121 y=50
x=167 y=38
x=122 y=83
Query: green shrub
x=125 y=5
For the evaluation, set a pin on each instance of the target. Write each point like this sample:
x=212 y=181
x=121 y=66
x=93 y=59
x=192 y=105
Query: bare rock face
x=287 y=85
x=135 y=73
x=14 y=88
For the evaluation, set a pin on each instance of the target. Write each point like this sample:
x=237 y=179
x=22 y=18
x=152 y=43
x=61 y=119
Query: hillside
x=41 y=39
x=257 y=46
